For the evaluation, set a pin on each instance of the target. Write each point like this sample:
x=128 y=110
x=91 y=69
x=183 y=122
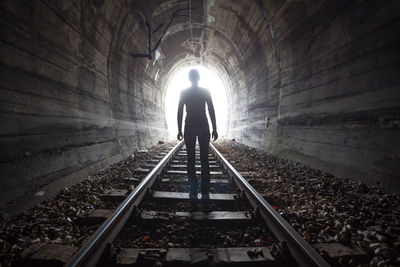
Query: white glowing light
x=208 y=80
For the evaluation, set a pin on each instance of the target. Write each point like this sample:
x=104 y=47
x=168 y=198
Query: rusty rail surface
x=302 y=252
x=90 y=253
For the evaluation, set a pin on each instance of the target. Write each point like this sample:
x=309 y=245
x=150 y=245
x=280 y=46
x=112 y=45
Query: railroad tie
x=158 y=223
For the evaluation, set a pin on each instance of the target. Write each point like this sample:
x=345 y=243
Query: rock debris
x=323 y=208
x=59 y=220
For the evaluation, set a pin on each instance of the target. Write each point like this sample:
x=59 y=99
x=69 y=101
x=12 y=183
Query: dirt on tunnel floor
x=321 y=207
x=60 y=220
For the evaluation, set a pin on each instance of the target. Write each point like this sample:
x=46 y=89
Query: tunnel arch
x=229 y=55
x=224 y=53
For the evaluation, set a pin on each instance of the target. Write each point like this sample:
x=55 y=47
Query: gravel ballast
x=321 y=207
x=324 y=209
x=60 y=220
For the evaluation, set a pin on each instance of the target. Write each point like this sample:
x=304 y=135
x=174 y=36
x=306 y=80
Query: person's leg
x=190 y=142
x=204 y=142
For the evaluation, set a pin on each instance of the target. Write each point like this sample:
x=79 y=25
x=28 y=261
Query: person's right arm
x=211 y=112
x=180 y=116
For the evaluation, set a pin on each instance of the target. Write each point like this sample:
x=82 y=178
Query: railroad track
x=224 y=230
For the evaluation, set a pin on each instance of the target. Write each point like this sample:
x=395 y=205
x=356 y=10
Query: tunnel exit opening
x=208 y=79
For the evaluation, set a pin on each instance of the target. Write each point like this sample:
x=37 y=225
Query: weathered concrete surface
x=313 y=81
x=73 y=100
x=339 y=90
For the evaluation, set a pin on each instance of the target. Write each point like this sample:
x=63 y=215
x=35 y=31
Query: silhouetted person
x=196 y=125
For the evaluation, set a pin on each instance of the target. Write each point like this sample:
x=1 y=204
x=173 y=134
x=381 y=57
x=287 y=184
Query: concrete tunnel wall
x=312 y=81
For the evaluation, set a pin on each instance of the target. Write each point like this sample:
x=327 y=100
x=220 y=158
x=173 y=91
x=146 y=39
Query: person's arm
x=180 y=116
x=211 y=112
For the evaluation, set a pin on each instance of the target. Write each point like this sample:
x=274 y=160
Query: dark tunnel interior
x=312 y=81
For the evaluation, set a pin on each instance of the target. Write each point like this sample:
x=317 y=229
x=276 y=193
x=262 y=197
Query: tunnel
x=312 y=114
x=315 y=82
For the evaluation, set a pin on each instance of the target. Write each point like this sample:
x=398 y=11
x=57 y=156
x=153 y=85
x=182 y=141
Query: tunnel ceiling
x=225 y=37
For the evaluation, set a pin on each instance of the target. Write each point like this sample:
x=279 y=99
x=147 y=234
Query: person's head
x=194 y=76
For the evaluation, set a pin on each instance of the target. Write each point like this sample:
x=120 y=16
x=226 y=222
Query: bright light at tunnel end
x=209 y=80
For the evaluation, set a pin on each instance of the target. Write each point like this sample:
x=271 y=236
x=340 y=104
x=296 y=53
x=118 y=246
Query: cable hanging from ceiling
x=151 y=50
x=190 y=22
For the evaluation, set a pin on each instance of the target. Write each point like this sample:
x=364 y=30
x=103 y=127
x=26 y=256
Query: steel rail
x=90 y=253
x=302 y=252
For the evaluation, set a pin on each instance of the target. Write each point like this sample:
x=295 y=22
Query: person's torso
x=195 y=101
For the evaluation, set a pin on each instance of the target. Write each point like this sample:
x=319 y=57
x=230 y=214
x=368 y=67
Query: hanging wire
x=190 y=21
